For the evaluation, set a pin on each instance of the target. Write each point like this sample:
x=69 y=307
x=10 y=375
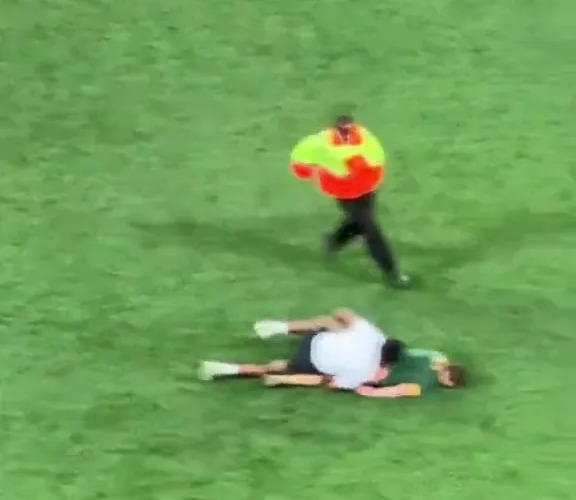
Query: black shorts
x=301 y=362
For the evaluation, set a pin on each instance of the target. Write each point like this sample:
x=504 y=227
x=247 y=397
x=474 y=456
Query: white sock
x=220 y=368
x=285 y=332
x=270 y=328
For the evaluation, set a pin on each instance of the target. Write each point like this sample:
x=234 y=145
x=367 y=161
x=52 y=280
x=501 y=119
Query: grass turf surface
x=148 y=219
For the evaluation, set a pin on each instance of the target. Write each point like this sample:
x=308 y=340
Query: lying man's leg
x=269 y=328
x=273 y=374
x=216 y=370
x=299 y=371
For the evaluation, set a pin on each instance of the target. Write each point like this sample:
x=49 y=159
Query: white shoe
x=268 y=328
x=209 y=370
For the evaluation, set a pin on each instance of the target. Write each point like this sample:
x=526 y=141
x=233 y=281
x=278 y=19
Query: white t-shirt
x=351 y=357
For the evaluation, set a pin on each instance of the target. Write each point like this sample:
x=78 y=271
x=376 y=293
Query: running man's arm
x=397 y=391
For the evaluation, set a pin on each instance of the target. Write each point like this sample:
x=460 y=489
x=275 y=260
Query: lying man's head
x=392 y=351
x=453 y=376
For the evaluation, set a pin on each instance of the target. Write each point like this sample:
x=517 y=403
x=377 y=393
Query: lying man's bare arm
x=293 y=380
x=398 y=391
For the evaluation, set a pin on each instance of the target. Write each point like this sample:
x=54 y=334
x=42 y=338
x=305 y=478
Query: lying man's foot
x=210 y=370
x=268 y=328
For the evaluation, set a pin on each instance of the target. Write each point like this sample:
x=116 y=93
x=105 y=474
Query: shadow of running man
x=267 y=239
x=262 y=239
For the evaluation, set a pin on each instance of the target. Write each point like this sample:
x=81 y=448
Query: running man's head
x=452 y=376
x=392 y=351
x=344 y=125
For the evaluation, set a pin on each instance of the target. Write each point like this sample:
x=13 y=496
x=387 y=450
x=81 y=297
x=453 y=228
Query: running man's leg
x=347 y=230
x=363 y=212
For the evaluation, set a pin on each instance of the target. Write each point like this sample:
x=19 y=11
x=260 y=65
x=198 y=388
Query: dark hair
x=344 y=120
x=392 y=351
x=457 y=375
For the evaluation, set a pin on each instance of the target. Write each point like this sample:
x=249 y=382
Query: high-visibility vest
x=341 y=170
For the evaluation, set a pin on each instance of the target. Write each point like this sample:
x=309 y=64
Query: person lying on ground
x=418 y=371
x=343 y=351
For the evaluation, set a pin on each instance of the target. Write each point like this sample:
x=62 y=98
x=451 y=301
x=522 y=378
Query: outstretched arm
x=398 y=391
x=297 y=380
x=293 y=380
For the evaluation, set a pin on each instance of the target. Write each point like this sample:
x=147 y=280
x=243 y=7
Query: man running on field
x=343 y=351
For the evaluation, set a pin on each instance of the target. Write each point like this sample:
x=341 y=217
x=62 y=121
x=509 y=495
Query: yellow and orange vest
x=342 y=170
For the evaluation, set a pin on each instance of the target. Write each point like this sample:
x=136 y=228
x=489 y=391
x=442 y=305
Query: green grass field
x=148 y=218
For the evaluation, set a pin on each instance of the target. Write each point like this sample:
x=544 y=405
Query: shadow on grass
x=512 y=231
x=267 y=239
x=262 y=239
